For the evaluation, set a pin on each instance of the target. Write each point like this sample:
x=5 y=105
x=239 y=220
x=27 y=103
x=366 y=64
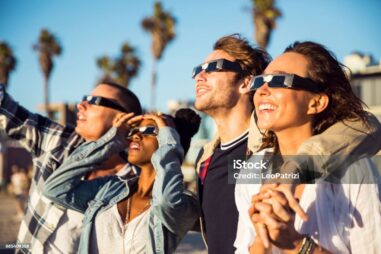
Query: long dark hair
x=325 y=70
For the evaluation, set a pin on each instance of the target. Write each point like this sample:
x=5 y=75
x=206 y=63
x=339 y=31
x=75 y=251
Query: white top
x=343 y=218
x=68 y=231
x=110 y=235
x=66 y=238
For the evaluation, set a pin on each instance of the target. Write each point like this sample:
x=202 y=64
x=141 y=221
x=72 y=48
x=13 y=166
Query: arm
x=177 y=208
x=245 y=229
x=36 y=133
x=337 y=147
x=65 y=186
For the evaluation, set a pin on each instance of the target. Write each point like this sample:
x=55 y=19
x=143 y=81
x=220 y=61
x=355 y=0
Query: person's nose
x=82 y=105
x=264 y=90
x=137 y=136
x=201 y=76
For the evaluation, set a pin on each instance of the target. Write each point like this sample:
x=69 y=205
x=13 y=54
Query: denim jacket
x=173 y=210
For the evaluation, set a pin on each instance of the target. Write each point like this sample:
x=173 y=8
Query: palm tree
x=47 y=47
x=264 y=14
x=7 y=62
x=127 y=65
x=121 y=69
x=106 y=64
x=161 y=26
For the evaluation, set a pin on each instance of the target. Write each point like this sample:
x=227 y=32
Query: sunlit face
x=216 y=90
x=93 y=121
x=281 y=108
x=142 y=147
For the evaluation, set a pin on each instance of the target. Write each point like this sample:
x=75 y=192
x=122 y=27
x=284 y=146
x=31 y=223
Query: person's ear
x=245 y=85
x=318 y=103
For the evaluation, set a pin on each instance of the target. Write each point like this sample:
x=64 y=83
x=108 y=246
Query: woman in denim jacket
x=147 y=210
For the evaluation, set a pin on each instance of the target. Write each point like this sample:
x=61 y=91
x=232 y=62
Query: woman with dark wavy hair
x=302 y=93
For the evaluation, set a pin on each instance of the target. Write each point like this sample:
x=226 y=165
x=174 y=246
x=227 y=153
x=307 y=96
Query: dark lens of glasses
x=292 y=81
x=212 y=66
x=144 y=130
x=100 y=101
x=217 y=65
x=277 y=81
x=257 y=83
x=196 y=71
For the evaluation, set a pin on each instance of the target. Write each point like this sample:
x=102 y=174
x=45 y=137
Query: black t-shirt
x=218 y=202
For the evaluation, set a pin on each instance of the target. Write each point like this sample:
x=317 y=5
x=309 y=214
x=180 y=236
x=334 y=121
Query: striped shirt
x=49 y=144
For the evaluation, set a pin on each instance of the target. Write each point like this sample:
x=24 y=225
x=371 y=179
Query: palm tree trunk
x=153 y=83
x=46 y=98
x=3 y=77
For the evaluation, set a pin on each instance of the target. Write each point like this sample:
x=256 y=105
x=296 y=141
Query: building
x=366 y=83
x=366 y=80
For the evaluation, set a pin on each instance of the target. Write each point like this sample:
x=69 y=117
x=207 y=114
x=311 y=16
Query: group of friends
x=113 y=184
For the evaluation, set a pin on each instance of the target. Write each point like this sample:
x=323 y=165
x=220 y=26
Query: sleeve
x=176 y=207
x=348 y=215
x=337 y=147
x=245 y=230
x=37 y=134
x=66 y=187
x=365 y=205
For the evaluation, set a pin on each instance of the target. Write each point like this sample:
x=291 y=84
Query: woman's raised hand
x=160 y=119
x=124 y=122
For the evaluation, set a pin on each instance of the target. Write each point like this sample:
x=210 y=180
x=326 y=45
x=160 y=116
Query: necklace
x=128 y=214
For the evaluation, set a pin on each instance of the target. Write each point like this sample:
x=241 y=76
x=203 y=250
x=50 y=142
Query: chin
x=137 y=161
x=79 y=131
x=198 y=106
x=264 y=126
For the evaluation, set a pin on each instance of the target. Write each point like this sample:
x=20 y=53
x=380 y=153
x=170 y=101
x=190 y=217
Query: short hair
x=253 y=61
x=129 y=101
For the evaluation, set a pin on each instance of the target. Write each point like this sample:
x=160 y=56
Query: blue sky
x=89 y=29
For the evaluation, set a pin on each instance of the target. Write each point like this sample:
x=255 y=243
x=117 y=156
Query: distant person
x=223 y=92
x=20 y=185
x=148 y=213
x=344 y=216
x=47 y=227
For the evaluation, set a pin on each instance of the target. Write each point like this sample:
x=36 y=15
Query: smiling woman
x=281 y=108
x=290 y=113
